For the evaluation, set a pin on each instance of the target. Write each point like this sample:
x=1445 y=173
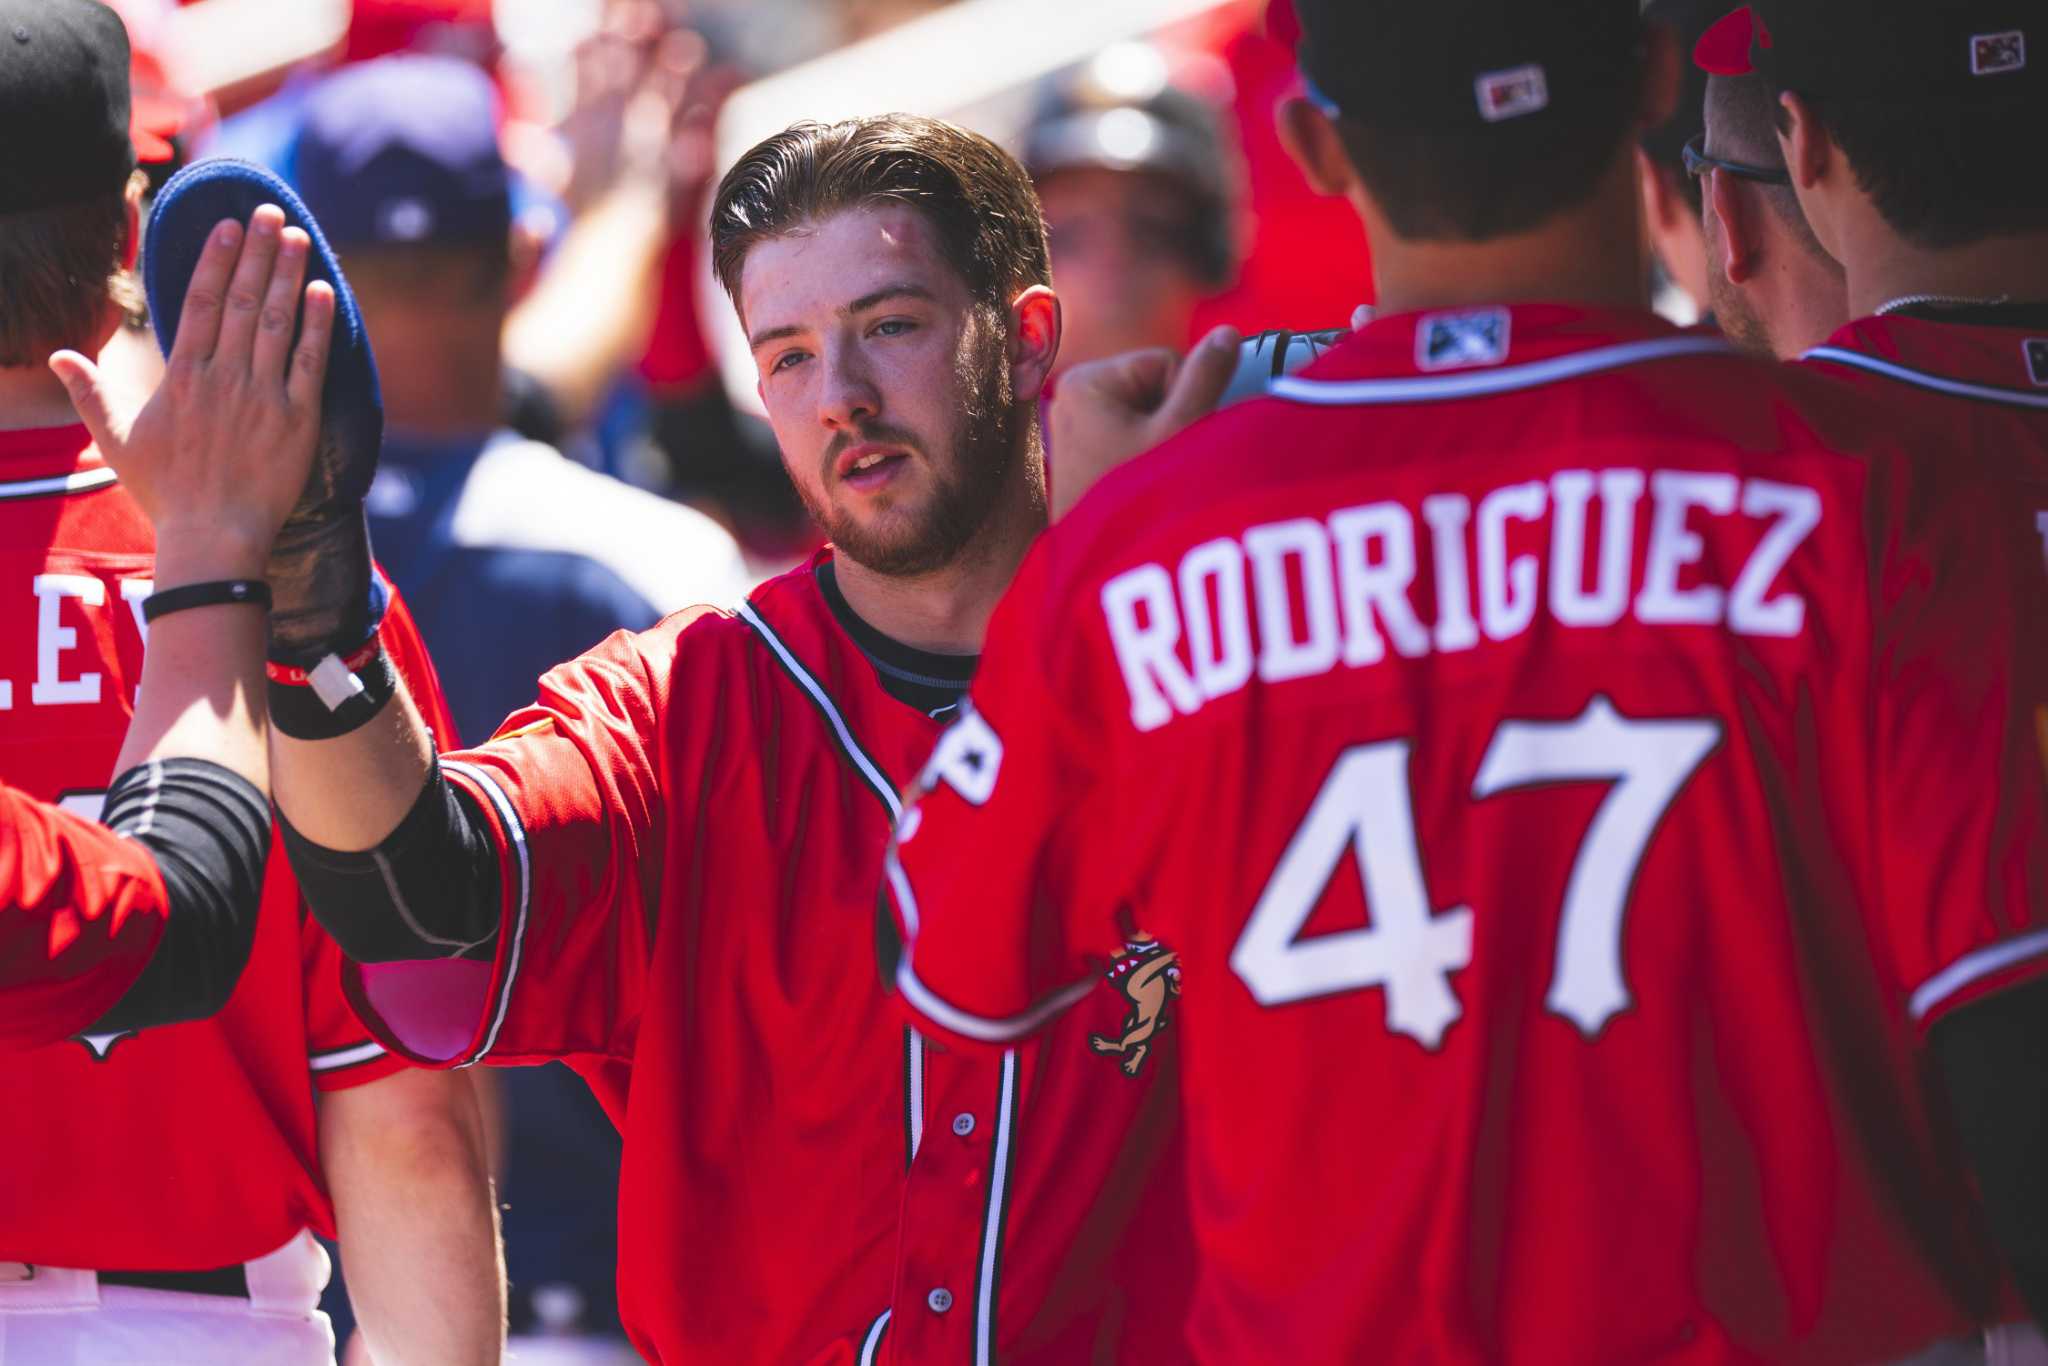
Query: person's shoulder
x=523 y=495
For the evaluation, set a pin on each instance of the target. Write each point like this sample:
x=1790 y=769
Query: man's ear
x=131 y=243
x=1034 y=340
x=1809 y=152
x=1661 y=206
x=1311 y=139
x=1740 y=251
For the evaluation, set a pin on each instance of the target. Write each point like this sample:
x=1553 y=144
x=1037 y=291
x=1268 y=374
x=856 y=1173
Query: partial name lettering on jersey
x=1453 y=571
x=60 y=632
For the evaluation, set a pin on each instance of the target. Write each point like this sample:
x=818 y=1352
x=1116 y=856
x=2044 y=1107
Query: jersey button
x=963 y=1124
x=940 y=1300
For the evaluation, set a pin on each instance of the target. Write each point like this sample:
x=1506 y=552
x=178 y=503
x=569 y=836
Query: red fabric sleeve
x=571 y=793
x=340 y=1049
x=81 y=910
x=1004 y=876
x=1961 y=831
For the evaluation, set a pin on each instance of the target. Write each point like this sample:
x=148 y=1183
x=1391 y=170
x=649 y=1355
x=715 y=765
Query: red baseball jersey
x=691 y=824
x=229 y=1169
x=1982 y=391
x=81 y=910
x=1573 y=786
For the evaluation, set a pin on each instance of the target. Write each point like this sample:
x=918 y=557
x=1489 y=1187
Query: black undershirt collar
x=933 y=683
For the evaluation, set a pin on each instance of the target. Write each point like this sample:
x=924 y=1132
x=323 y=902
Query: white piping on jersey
x=78 y=481
x=810 y=685
x=913 y=1043
x=345 y=1057
x=1974 y=965
x=992 y=1224
x=968 y=1026
x=892 y=869
x=1438 y=388
x=508 y=815
x=873 y=1341
x=1960 y=388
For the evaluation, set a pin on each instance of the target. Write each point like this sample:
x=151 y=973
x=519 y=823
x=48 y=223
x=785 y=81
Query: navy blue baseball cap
x=1896 y=51
x=404 y=150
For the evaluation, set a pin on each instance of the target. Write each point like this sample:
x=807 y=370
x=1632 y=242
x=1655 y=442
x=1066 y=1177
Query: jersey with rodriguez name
x=691 y=823
x=81 y=910
x=191 y=1146
x=1576 y=786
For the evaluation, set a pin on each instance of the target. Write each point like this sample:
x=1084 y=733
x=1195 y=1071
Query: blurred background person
x=1775 y=289
x=1143 y=189
x=1671 y=196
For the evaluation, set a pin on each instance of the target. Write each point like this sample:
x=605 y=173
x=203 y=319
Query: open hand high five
x=219 y=454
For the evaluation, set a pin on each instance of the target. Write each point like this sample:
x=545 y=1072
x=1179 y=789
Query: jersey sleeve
x=1001 y=875
x=340 y=1050
x=1961 y=829
x=569 y=791
x=81 y=910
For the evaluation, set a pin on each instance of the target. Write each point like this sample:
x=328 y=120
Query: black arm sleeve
x=1994 y=1058
x=429 y=891
x=209 y=831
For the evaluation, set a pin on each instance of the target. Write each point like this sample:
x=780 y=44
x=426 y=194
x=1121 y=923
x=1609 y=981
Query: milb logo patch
x=2037 y=360
x=1997 y=54
x=1445 y=341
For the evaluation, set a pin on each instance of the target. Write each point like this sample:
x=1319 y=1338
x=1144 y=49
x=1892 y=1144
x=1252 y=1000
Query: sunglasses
x=1698 y=163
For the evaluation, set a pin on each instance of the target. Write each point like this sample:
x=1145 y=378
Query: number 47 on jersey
x=1411 y=951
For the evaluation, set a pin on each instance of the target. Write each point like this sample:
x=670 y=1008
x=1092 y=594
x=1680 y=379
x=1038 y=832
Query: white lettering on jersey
x=1674 y=545
x=1282 y=655
x=1364 y=584
x=1146 y=649
x=1447 y=514
x=1340 y=589
x=1797 y=510
x=1570 y=491
x=967 y=759
x=53 y=638
x=1507 y=592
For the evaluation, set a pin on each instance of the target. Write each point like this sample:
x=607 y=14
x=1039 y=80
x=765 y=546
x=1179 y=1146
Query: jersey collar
x=2011 y=361
x=1467 y=340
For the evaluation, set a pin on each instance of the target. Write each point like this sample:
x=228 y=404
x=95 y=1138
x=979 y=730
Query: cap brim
x=202 y=195
x=1723 y=50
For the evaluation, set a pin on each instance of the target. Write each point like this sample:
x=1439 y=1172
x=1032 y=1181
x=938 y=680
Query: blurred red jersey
x=691 y=823
x=1573 y=787
x=228 y=1170
x=81 y=910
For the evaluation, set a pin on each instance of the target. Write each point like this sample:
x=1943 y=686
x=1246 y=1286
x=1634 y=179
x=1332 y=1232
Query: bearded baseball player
x=279 y=1118
x=1626 y=758
x=660 y=872
x=148 y=920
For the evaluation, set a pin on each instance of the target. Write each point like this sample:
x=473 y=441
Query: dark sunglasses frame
x=1698 y=163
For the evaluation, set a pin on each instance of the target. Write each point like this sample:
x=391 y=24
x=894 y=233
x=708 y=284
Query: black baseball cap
x=1691 y=19
x=64 y=106
x=404 y=150
x=1446 y=65
x=1902 y=51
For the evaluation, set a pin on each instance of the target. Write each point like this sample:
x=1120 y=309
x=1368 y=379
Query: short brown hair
x=59 y=269
x=976 y=196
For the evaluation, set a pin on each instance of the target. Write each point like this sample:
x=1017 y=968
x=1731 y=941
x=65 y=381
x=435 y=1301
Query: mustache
x=867 y=434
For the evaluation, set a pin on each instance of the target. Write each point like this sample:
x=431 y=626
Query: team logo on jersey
x=1998 y=54
x=1445 y=341
x=1513 y=93
x=2037 y=360
x=99 y=1045
x=1148 y=974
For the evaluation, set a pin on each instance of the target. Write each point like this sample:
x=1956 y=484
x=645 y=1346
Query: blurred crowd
x=517 y=192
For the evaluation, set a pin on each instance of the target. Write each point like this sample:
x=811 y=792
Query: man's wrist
x=207 y=554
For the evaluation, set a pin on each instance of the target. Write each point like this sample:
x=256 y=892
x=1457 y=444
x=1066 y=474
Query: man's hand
x=1106 y=412
x=220 y=453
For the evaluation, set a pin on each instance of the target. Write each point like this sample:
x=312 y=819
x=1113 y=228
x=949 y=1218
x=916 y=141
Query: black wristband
x=213 y=593
x=298 y=710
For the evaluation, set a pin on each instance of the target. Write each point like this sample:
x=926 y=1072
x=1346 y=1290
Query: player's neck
x=1884 y=268
x=31 y=397
x=946 y=610
x=1591 y=254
